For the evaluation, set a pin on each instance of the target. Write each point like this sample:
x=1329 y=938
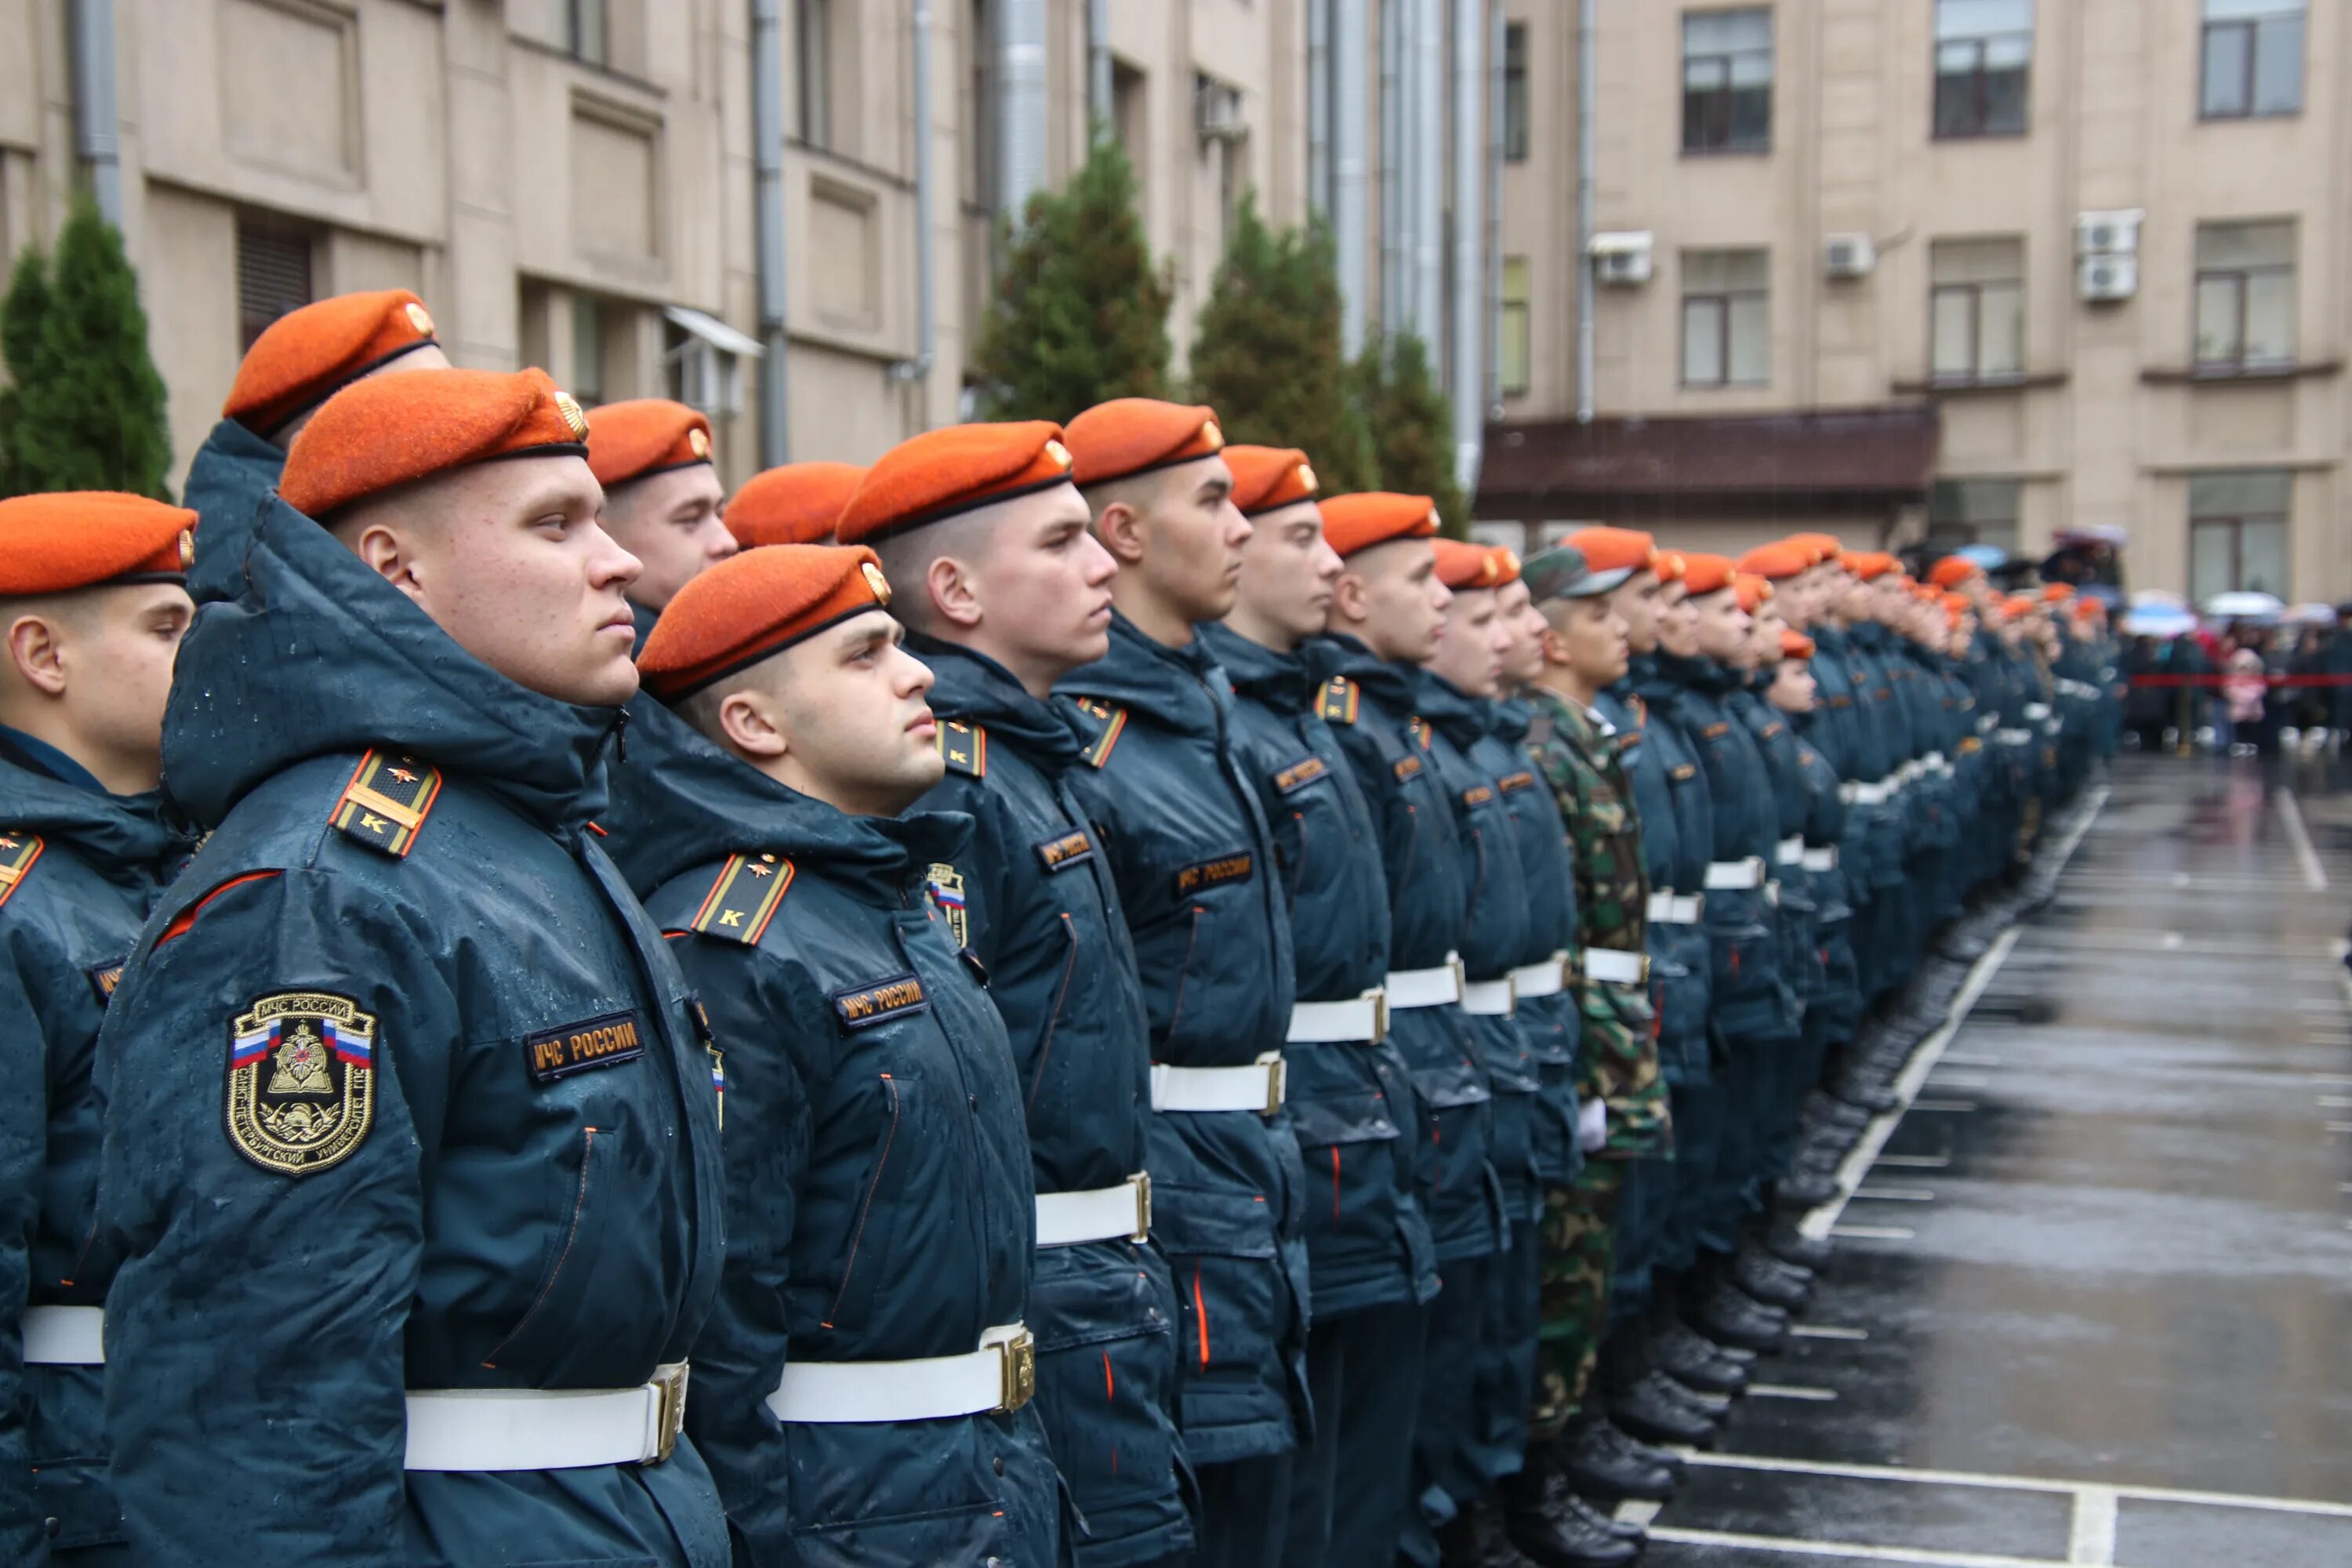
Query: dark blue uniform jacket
x=1552 y=1026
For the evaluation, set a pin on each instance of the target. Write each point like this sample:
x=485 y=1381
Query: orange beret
x=1824 y=546
x=1952 y=571
x=1614 y=549
x=2017 y=605
x=1869 y=564
x=1466 y=567
x=1267 y=479
x=305 y=356
x=2056 y=591
x=59 y=541
x=2089 y=609
x=1376 y=517
x=945 y=473
x=1669 y=565
x=374 y=435
x=1131 y=436
x=1706 y=573
x=1506 y=564
x=754 y=605
x=1752 y=589
x=792 y=505
x=644 y=436
x=1795 y=644
x=1777 y=562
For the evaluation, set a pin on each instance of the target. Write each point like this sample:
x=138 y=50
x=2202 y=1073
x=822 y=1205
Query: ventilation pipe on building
x=1020 y=104
x=97 y=131
x=927 y=314
x=1098 y=86
x=1429 y=134
x=1588 y=32
x=1348 y=65
x=1318 y=106
x=1491 y=330
x=768 y=139
x=1469 y=230
x=1396 y=16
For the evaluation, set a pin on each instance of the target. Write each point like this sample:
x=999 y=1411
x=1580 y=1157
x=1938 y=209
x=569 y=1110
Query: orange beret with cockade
x=1751 y=590
x=375 y=436
x=945 y=473
x=754 y=606
x=1824 y=546
x=1466 y=568
x=1703 y=573
x=644 y=436
x=1506 y=564
x=1614 y=549
x=1359 y=522
x=795 y=504
x=1795 y=644
x=1780 y=562
x=1668 y=564
x=1267 y=479
x=61 y=540
x=2054 y=592
x=1868 y=564
x=1952 y=571
x=2089 y=609
x=1131 y=436
x=305 y=356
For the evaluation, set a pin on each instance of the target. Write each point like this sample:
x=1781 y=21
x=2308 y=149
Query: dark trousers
x=1244 y=1509
x=1645 y=1204
x=1442 y=1477
x=1507 y=1359
x=1698 y=1110
x=1348 y=1488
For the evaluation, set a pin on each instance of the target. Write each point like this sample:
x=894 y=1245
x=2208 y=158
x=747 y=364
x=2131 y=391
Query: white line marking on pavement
x=1963 y=1080
x=1878 y=1231
x=2314 y=875
x=1960 y=1059
x=1825 y=1331
x=2335 y=1102
x=1957 y=1107
x=1791 y=1390
x=1916 y=1162
x=1638 y=1510
x=2340 y=1127
x=2013 y=1483
x=2172 y=939
x=2091 y=1537
x=1844 y=1548
x=1894 y=1194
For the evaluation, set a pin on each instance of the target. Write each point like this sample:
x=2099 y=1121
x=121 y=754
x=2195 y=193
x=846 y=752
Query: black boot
x=1770 y=1281
x=1654 y=1407
x=1666 y=1316
x=1598 y=1462
x=1544 y=1521
x=1803 y=1190
x=1729 y=1316
x=1490 y=1538
x=1784 y=1240
x=1693 y=1362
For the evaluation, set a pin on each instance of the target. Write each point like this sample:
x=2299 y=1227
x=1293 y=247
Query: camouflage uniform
x=1578 y=755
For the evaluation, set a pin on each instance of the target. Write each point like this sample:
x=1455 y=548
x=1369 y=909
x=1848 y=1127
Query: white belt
x=64 y=1336
x=1548 y=978
x=2014 y=737
x=1438 y=987
x=547 y=1428
x=1735 y=874
x=1122 y=1213
x=1489 y=998
x=1821 y=860
x=1862 y=793
x=1616 y=968
x=1258 y=1087
x=1676 y=909
x=2037 y=711
x=1000 y=1375
x=1988 y=722
x=1789 y=851
x=1359 y=1019
x=1939 y=765
x=1892 y=784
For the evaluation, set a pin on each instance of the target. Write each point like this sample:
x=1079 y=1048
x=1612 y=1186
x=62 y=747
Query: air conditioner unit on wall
x=2112 y=233
x=1849 y=255
x=1217 y=110
x=1622 y=258
x=2104 y=279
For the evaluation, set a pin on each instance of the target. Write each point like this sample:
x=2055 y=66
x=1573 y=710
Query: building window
x=1976 y=309
x=2238 y=533
x=1512 y=326
x=273 y=274
x=1971 y=511
x=813 y=51
x=1984 y=55
x=587 y=350
x=1514 y=92
x=2245 y=294
x=2253 y=58
x=587 y=32
x=1727 y=81
x=1727 y=318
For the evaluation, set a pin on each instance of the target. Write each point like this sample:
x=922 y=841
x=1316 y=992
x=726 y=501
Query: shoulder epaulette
x=1112 y=721
x=17 y=853
x=743 y=900
x=964 y=748
x=386 y=802
x=1336 y=705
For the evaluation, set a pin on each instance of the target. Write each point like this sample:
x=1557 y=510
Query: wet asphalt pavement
x=2093 y=1300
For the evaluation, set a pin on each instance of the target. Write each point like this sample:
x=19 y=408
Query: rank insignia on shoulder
x=1070 y=849
x=1405 y=768
x=863 y=1006
x=1511 y=784
x=386 y=802
x=743 y=900
x=947 y=891
x=1477 y=795
x=106 y=978
x=17 y=853
x=1111 y=723
x=964 y=748
x=302 y=1081
x=604 y=1041
x=1207 y=874
x=1338 y=702
x=1299 y=774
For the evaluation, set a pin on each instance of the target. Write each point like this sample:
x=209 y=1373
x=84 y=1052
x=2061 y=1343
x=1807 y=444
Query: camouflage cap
x=1562 y=572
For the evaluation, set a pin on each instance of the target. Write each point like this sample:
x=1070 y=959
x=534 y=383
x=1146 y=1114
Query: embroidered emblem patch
x=1511 y=784
x=863 y=1006
x=302 y=1081
x=1715 y=730
x=1405 y=768
x=105 y=977
x=599 y=1042
x=946 y=890
x=1070 y=849
x=1299 y=774
x=1215 y=873
x=1684 y=774
x=1478 y=794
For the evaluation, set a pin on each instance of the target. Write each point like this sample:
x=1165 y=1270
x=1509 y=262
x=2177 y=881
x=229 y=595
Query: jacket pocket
x=1233 y=1304
x=865 y=1249
x=1347 y=1145
x=1107 y=1373
x=588 y=1164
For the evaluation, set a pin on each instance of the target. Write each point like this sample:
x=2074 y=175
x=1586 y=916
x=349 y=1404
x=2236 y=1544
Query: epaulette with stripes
x=964 y=747
x=19 y=850
x=1337 y=704
x=743 y=900
x=386 y=802
x=1111 y=720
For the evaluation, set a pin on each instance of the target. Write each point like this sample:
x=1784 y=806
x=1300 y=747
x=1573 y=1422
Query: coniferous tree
x=90 y=413
x=1081 y=311
x=21 y=312
x=1411 y=424
x=1268 y=355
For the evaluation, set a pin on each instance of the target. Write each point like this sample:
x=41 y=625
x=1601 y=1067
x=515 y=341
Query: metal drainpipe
x=768 y=152
x=1318 y=106
x=1588 y=30
x=1020 y=104
x=1348 y=65
x=97 y=130
x=1395 y=17
x=927 y=324
x=1493 y=331
x=1098 y=83
x=1429 y=131
x=1469 y=276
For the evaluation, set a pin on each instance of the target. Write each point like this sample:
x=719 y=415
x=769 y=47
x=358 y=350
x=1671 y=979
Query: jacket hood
x=1510 y=718
x=1395 y=686
x=1282 y=681
x=702 y=803
x=125 y=831
x=234 y=472
x=1462 y=719
x=974 y=688
x=317 y=655
x=1177 y=687
x=1702 y=674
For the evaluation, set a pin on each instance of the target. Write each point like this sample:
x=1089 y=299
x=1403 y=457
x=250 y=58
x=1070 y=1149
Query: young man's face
x=850 y=706
x=1722 y=625
x=1042 y=582
x=1400 y=605
x=1590 y=635
x=1791 y=690
x=670 y=521
x=1677 y=622
x=1524 y=628
x=1193 y=540
x=1637 y=602
x=1764 y=629
x=1287 y=573
x=105 y=657
x=1470 y=652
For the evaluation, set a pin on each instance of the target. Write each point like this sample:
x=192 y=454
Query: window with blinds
x=273 y=274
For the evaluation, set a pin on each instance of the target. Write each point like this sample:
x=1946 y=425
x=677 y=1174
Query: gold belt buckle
x=1018 y=1384
x=1141 y=1183
x=669 y=1385
x=1275 y=1080
x=1380 y=997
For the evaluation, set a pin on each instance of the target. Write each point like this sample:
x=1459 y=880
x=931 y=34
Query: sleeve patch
x=106 y=978
x=1299 y=774
x=947 y=891
x=1337 y=704
x=1714 y=731
x=386 y=802
x=17 y=853
x=604 y=1041
x=1209 y=874
x=1405 y=768
x=1477 y=795
x=1070 y=849
x=1684 y=774
x=863 y=1006
x=743 y=900
x=1511 y=784
x=302 y=1082
x=964 y=748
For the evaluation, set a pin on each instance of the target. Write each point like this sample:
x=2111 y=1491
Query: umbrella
x=2157 y=599
x=2158 y=621
x=2311 y=615
x=2243 y=605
